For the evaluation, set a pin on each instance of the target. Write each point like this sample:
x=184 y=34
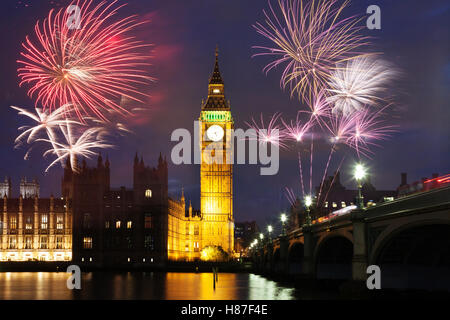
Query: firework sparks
x=297 y=130
x=341 y=128
x=75 y=145
x=272 y=134
x=45 y=122
x=91 y=68
x=310 y=39
x=358 y=83
x=368 y=129
x=320 y=109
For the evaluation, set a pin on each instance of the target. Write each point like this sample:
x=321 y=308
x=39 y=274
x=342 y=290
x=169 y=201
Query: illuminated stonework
x=184 y=231
x=216 y=179
x=35 y=229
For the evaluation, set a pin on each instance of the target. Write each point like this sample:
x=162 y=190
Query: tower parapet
x=150 y=182
x=29 y=189
x=6 y=188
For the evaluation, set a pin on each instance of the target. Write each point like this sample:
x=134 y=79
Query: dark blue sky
x=414 y=36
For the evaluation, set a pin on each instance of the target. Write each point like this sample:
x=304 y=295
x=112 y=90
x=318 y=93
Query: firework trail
x=301 y=174
x=325 y=173
x=334 y=179
x=290 y=195
x=309 y=40
x=90 y=68
x=358 y=83
x=75 y=144
x=311 y=164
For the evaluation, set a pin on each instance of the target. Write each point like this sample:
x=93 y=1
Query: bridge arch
x=414 y=255
x=277 y=263
x=295 y=257
x=333 y=256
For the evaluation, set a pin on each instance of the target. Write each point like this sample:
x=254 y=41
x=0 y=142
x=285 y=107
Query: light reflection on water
x=141 y=285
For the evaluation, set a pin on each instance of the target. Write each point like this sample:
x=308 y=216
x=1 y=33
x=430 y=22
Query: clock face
x=215 y=133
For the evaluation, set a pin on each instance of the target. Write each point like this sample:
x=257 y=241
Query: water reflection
x=141 y=285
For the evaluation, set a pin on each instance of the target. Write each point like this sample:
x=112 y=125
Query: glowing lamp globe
x=308 y=201
x=360 y=172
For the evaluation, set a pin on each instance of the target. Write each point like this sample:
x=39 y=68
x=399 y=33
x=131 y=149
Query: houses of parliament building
x=92 y=223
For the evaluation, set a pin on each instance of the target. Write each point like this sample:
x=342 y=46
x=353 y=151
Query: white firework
x=45 y=122
x=75 y=144
x=359 y=83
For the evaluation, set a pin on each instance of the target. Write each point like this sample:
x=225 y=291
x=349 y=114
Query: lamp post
x=283 y=223
x=359 y=174
x=308 y=203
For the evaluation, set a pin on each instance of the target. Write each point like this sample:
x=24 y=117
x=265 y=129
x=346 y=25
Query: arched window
x=148 y=193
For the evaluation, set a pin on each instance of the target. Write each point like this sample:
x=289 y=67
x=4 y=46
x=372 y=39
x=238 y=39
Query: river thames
x=144 y=285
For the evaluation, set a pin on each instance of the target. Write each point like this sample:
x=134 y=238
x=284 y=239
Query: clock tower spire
x=216 y=90
x=216 y=171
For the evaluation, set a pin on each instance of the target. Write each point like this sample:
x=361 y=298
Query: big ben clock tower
x=216 y=172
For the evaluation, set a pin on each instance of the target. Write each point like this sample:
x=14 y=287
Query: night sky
x=414 y=36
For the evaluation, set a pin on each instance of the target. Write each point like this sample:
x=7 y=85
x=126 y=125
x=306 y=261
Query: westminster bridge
x=408 y=238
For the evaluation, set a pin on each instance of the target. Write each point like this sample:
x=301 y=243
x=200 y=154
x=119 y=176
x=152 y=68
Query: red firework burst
x=90 y=65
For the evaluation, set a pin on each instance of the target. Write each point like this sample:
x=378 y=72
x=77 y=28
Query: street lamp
x=269 y=230
x=283 y=222
x=359 y=174
x=308 y=202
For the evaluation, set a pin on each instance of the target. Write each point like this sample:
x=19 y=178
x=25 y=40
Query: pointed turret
x=136 y=159
x=160 y=161
x=99 y=161
x=107 y=162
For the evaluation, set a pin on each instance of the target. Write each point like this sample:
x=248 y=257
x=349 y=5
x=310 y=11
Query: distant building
x=32 y=228
x=423 y=184
x=244 y=234
x=338 y=197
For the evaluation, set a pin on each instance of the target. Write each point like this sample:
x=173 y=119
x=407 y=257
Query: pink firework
x=321 y=110
x=90 y=65
x=297 y=130
x=369 y=128
x=341 y=128
x=272 y=134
